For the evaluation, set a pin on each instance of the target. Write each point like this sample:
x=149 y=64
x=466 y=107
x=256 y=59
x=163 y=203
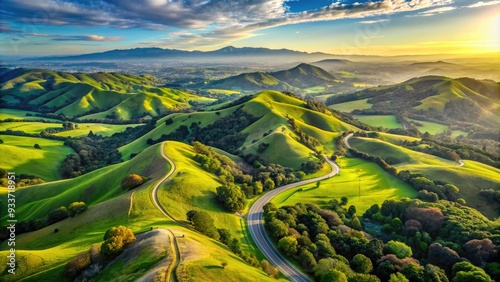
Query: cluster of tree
x=93 y=152
x=52 y=217
x=415 y=242
x=88 y=264
x=238 y=184
x=132 y=181
x=224 y=133
x=490 y=194
x=42 y=134
x=22 y=180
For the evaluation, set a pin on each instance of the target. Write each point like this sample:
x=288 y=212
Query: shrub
x=76 y=266
x=76 y=208
x=132 y=181
x=57 y=215
x=37 y=146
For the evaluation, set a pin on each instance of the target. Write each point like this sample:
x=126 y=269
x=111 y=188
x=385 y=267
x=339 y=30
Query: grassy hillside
x=362 y=182
x=272 y=127
x=304 y=76
x=94 y=95
x=42 y=254
x=20 y=156
x=470 y=178
x=441 y=98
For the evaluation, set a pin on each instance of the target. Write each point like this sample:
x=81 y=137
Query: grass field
x=351 y=106
x=387 y=121
x=315 y=90
x=376 y=186
x=470 y=179
x=20 y=156
x=223 y=91
x=20 y=114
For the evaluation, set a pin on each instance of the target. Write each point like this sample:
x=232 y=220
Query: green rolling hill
x=300 y=77
x=93 y=96
x=433 y=98
x=272 y=127
x=470 y=178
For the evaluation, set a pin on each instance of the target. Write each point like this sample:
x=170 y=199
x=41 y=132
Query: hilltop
x=295 y=79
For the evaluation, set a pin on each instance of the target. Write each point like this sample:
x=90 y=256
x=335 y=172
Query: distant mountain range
x=228 y=52
x=294 y=79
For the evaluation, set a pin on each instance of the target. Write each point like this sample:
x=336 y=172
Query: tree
x=361 y=264
x=231 y=197
x=234 y=246
x=398 y=277
x=121 y=231
x=57 y=215
x=269 y=269
x=190 y=214
x=75 y=266
x=132 y=181
x=480 y=251
x=343 y=201
x=333 y=275
x=414 y=273
x=204 y=223
x=400 y=249
x=257 y=187
x=269 y=207
x=76 y=208
x=225 y=235
x=307 y=260
x=268 y=184
x=288 y=245
x=318 y=183
x=466 y=272
x=37 y=146
x=112 y=246
x=1 y=141
x=3 y=173
x=223 y=264
x=433 y=273
x=356 y=224
x=277 y=228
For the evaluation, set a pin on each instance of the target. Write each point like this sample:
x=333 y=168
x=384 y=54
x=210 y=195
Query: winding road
x=258 y=233
x=154 y=196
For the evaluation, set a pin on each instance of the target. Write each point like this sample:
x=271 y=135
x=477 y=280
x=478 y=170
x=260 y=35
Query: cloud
x=91 y=37
x=437 y=11
x=374 y=21
x=481 y=4
x=202 y=22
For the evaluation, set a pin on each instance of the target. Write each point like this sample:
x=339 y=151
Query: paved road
x=346 y=140
x=154 y=196
x=258 y=233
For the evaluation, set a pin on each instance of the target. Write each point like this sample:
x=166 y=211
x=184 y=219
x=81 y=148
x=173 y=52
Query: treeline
x=94 y=151
x=42 y=134
x=224 y=133
x=238 y=185
x=429 y=189
x=52 y=217
x=414 y=243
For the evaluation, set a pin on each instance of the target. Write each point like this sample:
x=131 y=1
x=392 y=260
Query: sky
x=384 y=27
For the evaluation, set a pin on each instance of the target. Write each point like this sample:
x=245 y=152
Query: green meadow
x=351 y=106
x=470 y=178
x=387 y=121
x=20 y=156
x=362 y=182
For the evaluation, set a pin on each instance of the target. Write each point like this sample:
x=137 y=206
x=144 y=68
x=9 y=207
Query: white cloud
x=374 y=21
x=481 y=4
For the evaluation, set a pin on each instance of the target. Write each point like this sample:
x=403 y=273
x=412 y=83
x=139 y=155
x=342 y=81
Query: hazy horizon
x=387 y=27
